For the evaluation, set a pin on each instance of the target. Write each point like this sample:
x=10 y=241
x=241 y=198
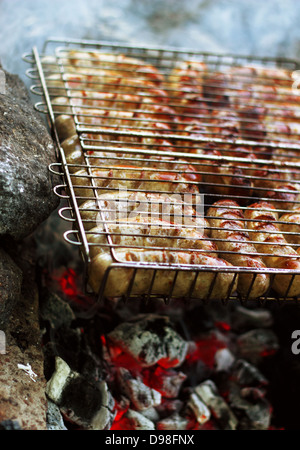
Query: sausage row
x=118 y=97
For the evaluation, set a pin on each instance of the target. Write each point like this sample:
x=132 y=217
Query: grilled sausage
x=227 y=221
x=115 y=206
x=65 y=126
x=272 y=243
x=196 y=88
x=124 y=177
x=283 y=195
x=208 y=284
x=73 y=152
x=292 y=225
x=120 y=64
x=148 y=232
x=277 y=186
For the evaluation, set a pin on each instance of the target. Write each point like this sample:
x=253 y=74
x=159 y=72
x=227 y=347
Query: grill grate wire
x=198 y=133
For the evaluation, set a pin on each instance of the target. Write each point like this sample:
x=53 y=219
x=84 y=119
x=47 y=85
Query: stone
x=54 y=418
x=10 y=425
x=22 y=381
x=10 y=287
x=26 y=150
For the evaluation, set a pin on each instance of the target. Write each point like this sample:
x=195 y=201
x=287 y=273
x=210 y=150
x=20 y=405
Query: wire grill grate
x=181 y=168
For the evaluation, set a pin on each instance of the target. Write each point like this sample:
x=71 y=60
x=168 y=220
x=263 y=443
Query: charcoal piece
x=247 y=374
x=151 y=414
x=26 y=150
x=150 y=340
x=173 y=422
x=223 y=359
x=244 y=318
x=256 y=344
x=10 y=287
x=208 y=393
x=169 y=407
x=56 y=311
x=83 y=402
x=251 y=407
x=59 y=380
x=141 y=396
x=134 y=420
x=167 y=382
x=200 y=410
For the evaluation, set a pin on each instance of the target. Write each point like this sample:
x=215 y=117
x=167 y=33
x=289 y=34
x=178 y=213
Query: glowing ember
x=223 y=326
x=268 y=352
x=205 y=350
x=119 y=358
x=68 y=283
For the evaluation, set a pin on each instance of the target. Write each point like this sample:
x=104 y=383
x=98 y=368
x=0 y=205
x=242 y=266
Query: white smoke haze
x=239 y=26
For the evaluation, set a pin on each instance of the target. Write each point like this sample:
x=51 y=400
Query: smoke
x=249 y=27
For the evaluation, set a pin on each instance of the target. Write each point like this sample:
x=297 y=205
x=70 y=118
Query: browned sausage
x=227 y=222
x=291 y=225
x=208 y=284
x=271 y=242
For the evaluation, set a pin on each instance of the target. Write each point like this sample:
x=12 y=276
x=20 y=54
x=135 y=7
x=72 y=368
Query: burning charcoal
x=54 y=418
x=150 y=340
x=169 y=407
x=60 y=379
x=247 y=375
x=245 y=319
x=167 y=382
x=202 y=413
x=208 y=393
x=218 y=313
x=134 y=420
x=83 y=402
x=251 y=407
x=141 y=396
x=10 y=287
x=26 y=150
x=56 y=311
x=151 y=414
x=173 y=422
x=256 y=344
x=223 y=359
